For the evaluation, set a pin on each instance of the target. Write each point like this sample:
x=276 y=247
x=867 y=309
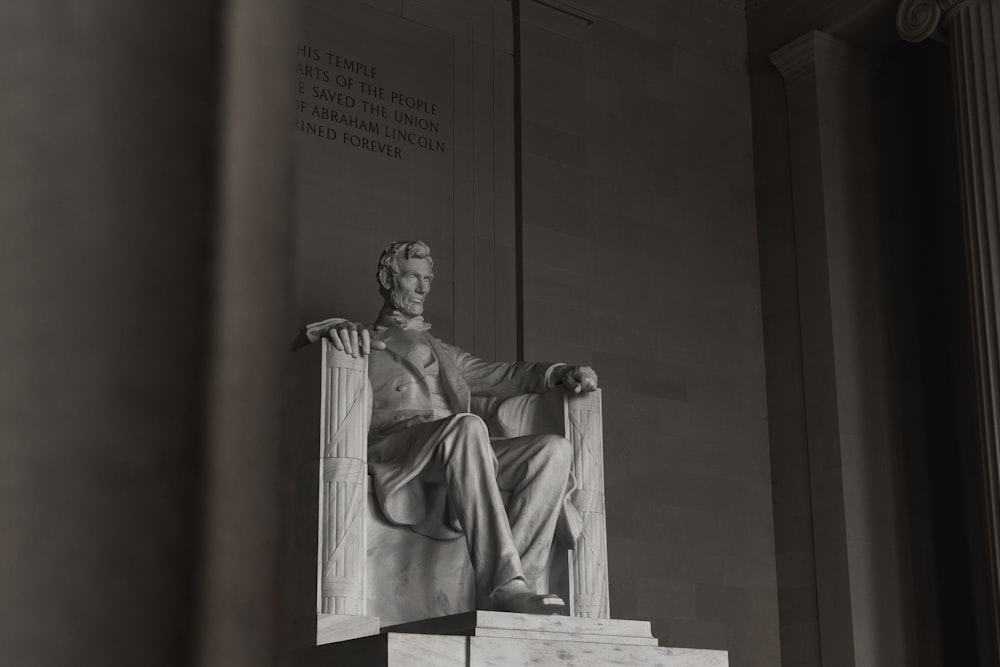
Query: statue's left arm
x=503 y=379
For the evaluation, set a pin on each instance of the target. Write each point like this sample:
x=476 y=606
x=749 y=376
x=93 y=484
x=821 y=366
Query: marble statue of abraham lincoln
x=423 y=430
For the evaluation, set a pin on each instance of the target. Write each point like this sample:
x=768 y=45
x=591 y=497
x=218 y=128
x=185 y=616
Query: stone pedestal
x=494 y=639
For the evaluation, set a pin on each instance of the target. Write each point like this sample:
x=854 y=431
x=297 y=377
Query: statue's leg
x=456 y=452
x=535 y=469
x=464 y=457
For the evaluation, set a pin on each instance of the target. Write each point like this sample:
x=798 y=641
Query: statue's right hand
x=353 y=338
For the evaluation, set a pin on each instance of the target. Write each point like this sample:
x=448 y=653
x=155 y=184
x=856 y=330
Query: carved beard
x=401 y=302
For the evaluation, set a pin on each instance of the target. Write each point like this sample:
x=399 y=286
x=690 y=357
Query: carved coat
x=402 y=432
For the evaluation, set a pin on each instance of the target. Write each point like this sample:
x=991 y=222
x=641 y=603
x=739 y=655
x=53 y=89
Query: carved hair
x=388 y=263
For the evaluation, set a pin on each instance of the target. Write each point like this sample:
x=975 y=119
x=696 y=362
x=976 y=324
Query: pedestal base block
x=334 y=628
x=492 y=639
x=533 y=626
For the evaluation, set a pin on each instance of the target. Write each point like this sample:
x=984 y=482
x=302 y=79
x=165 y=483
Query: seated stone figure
x=422 y=430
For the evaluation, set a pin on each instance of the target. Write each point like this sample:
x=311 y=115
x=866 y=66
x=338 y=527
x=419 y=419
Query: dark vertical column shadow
x=518 y=187
x=931 y=352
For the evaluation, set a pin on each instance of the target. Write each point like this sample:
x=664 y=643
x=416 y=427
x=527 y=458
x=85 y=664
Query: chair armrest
x=590 y=558
x=345 y=415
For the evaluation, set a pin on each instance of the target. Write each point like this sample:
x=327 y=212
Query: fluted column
x=972 y=28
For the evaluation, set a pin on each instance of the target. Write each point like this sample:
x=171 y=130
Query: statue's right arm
x=352 y=338
x=314 y=331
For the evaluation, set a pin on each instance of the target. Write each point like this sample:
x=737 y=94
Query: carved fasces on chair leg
x=589 y=561
x=343 y=476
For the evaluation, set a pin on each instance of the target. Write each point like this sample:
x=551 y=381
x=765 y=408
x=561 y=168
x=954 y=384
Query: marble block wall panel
x=350 y=197
x=641 y=259
x=403 y=122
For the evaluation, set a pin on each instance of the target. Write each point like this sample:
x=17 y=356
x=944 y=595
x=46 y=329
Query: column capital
x=799 y=57
x=916 y=20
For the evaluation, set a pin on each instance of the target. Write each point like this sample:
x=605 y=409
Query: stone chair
x=371 y=573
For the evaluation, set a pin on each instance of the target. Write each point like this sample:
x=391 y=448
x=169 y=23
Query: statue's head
x=405 y=273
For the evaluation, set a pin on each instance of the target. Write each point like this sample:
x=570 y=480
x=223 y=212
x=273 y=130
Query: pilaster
x=853 y=485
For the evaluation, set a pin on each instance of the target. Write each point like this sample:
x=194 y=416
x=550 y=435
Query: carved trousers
x=504 y=543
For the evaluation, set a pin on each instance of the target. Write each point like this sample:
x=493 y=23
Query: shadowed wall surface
x=640 y=259
x=107 y=178
x=143 y=264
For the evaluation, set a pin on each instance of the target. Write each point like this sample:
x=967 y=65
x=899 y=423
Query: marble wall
x=404 y=130
x=640 y=258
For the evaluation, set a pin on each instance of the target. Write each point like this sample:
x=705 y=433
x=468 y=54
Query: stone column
x=144 y=249
x=245 y=459
x=972 y=28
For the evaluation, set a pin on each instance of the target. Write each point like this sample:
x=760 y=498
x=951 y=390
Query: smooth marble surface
x=398 y=649
x=385 y=650
x=533 y=626
x=412 y=576
x=339 y=627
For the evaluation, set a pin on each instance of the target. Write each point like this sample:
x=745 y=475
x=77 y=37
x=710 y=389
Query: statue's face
x=413 y=284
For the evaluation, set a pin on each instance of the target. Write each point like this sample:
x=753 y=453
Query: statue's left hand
x=578 y=378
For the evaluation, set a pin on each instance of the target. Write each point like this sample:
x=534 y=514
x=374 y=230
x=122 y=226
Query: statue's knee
x=471 y=425
x=471 y=434
x=558 y=450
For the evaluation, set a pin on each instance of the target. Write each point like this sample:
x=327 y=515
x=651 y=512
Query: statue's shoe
x=527 y=602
